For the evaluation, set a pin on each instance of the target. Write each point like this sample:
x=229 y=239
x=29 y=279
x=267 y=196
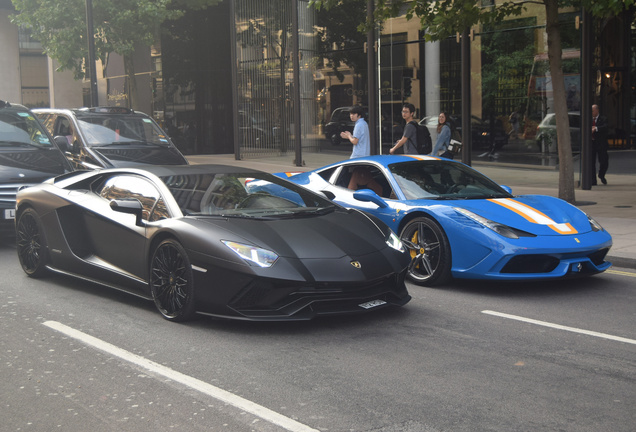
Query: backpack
x=424 y=143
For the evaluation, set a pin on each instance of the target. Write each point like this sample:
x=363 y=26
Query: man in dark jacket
x=599 y=144
x=409 y=139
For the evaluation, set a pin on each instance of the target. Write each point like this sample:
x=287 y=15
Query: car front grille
x=9 y=191
x=531 y=264
x=547 y=263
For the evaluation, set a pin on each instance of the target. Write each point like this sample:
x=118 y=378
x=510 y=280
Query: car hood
x=536 y=214
x=31 y=166
x=126 y=156
x=331 y=236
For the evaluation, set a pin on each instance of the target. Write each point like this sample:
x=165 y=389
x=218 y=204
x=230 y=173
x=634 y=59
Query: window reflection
x=133 y=187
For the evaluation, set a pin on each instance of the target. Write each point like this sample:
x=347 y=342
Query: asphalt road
x=78 y=357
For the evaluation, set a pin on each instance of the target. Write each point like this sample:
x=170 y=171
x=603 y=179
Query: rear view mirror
x=367 y=195
x=62 y=143
x=128 y=206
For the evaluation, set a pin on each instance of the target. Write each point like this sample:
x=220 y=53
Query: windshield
x=101 y=130
x=20 y=128
x=443 y=180
x=245 y=195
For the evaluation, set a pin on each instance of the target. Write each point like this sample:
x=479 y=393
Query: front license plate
x=9 y=214
x=372 y=304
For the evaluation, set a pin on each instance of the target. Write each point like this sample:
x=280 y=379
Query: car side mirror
x=328 y=194
x=62 y=143
x=128 y=206
x=367 y=195
x=506 y=188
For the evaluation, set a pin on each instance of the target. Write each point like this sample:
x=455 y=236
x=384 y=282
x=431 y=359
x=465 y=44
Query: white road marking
x=561 y=327
x=201 y=386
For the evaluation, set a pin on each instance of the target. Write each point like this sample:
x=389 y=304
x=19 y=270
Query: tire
x=430 y=252
x=171 y=281
x=31 y=244
x=335 y=139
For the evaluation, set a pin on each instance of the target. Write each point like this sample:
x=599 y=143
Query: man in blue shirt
x=360 y=136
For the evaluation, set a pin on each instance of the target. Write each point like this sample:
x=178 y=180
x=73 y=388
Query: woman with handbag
x=443 y=136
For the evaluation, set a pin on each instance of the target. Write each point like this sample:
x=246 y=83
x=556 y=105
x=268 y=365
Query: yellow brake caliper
x=414 y=252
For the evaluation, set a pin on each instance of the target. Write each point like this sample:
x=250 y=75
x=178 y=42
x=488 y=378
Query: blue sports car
x=459 y=223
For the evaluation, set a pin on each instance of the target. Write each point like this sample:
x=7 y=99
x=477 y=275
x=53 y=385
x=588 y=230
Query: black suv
x=108 y=137
x=340 y=121
x=28 y=156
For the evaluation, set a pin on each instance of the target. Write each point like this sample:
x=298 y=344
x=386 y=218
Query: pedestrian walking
x=409 y=138
x=599 y=145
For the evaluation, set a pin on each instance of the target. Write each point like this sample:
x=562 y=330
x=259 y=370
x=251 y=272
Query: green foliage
x=265 y=31
x=440 y=18
x=602 y=8
x=60 y=25
x=333 y=30
x=444 y=18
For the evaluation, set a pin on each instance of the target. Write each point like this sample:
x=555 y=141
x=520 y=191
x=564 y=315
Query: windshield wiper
x=314 y=211
x=450 y=198
x=492 y=196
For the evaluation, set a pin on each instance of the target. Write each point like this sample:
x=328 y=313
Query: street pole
x=587 y=174
x=91 y=53
x=466 y=102
x=296 y=84
x=376 y=144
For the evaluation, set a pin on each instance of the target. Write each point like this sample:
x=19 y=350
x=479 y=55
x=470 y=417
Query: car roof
x=105 y=111
x=387 y=160
x=174 y=170
x=12 y=106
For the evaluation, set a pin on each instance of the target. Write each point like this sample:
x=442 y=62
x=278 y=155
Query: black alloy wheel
x=30 y=243
x=171 y=281
x=430 y=252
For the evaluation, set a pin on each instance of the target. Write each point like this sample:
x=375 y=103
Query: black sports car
x=217 y=240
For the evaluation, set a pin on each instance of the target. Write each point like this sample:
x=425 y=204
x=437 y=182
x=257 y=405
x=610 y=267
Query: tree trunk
x=566 y=170
x=133 y=97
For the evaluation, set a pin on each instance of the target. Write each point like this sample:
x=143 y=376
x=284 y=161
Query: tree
x=444 y=18
x=119 y=25
x=332 y=30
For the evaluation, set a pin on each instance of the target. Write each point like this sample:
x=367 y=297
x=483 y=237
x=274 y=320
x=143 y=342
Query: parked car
x=211 y=239
x=107 y=137
x=546 y=137
x=28 y=156
x=456 y=222
x=255 y=131
x=341 y=121
x=483 y=135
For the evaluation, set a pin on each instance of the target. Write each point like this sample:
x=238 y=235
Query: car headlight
x=394 y=241
x=500 y=229
x=594 y=224
x=252 y=254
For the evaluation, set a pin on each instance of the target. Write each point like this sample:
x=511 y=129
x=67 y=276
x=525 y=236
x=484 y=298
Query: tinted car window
x=443 y=180
x=245 y=195
x=344 y=116
x=117 y=129
x=21 y=127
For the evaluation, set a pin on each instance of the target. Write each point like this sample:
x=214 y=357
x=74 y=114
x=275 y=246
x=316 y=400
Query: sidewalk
x=612 y=205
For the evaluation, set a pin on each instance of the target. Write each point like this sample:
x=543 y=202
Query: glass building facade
x=268 y=78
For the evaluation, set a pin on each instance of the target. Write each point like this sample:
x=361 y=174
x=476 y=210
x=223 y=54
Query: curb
x=622 y=262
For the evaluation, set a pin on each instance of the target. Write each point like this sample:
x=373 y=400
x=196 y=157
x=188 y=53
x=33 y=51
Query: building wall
x=10 y=84
x=66 y=91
